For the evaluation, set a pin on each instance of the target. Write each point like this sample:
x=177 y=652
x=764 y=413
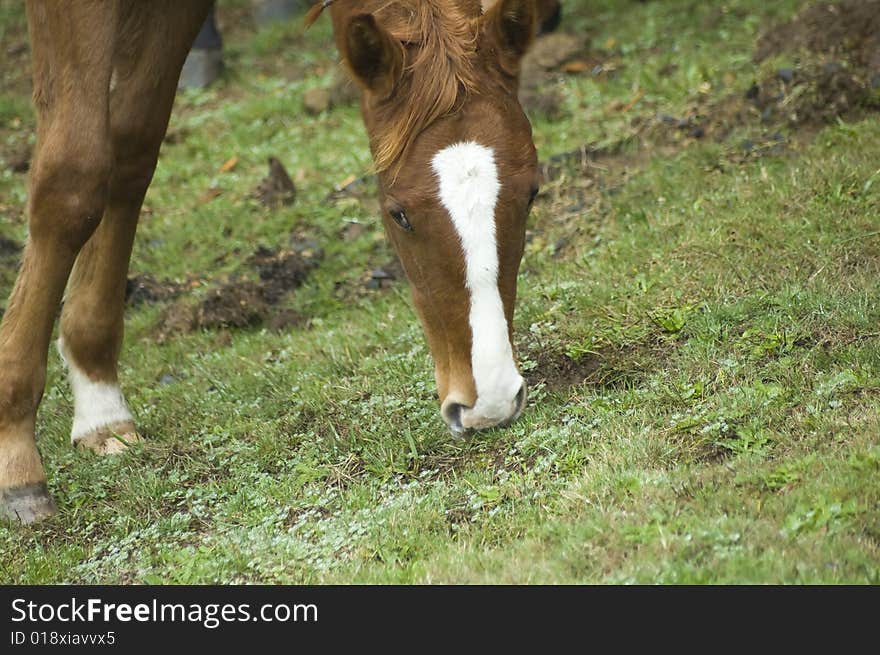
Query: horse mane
x=440 y=46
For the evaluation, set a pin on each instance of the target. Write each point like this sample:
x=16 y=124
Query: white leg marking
x=469 y=189
x=96 y=404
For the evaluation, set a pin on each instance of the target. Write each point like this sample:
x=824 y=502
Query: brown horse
x=451 y=145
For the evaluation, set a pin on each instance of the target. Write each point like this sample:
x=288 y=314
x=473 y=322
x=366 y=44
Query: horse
x=452 y=149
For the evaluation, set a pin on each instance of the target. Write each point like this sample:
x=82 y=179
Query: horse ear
x=373 y=55
x=512 y=24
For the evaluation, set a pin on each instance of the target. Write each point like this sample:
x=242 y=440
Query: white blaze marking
x=469 y=190
x=95 y=404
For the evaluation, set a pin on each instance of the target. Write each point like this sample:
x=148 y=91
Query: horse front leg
x=68 y=185
x=152 y=44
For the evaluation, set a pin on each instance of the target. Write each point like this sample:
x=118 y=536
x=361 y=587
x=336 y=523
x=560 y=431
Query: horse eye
x=400 y=218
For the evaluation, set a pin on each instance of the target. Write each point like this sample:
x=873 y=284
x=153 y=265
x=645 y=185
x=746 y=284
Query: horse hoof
x=109 y=440
x=27 y=504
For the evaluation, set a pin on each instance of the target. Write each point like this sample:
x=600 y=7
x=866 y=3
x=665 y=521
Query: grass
x=724 y=312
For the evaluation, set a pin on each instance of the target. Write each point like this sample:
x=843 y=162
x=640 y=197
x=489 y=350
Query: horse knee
x=20 y=393
x=136 y=150
x=131 y=178
x=69 y=190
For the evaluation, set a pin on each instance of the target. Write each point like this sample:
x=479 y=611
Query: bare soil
x=276 y=189
x=239 y=302
x=610 y=367
x=144 y=289
x=836 y=75
x=848 y=30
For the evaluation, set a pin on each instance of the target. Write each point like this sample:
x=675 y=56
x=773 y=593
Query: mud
x=836 y=75
x=237 y=304
x=277 y=188
x=847 y=30
x=282 y=271
x=144 y=289
x=558 y=371
x=610 y=367
x=241 y=303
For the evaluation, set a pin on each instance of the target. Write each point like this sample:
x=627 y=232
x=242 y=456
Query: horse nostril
x=452 y=416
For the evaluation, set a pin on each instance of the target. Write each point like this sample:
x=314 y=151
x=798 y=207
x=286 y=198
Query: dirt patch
x=611 y=367
x=558 y=371
x=838 y=77
x=242 y=303
x=281 y=271
x=576 y=187
x=238 y=304
x=376 y=278
x=276 y=189
x=812 y=94
x=144 y=289
x=589 y=158
x=799 y=100
x=848 y=30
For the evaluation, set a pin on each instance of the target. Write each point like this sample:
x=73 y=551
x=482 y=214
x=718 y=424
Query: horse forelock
x=439 y=39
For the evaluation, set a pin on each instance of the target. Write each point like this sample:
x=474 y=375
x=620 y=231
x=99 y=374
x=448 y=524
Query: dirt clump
x=240 y=302
x=277 y=188
x=550 y=52
x=559 y=371
x=848 y=30
x=800 y=99
x=237 y=304
x=281 y=271
x=609 y=366
x=383 y=273
x=144 y=289
x=836 y=74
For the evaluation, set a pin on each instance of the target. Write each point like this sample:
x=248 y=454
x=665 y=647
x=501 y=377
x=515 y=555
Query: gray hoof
x=201 y=68
x=27 y=504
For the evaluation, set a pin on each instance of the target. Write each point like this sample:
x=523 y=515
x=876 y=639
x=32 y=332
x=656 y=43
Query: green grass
x=731 y=311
